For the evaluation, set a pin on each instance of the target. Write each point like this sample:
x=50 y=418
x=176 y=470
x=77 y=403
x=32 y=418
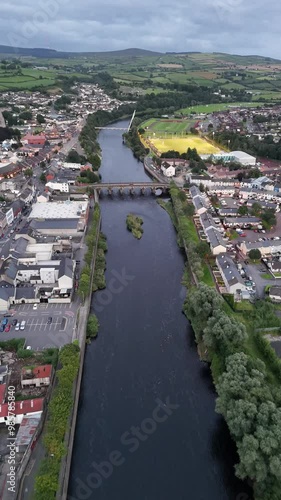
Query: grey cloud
x=236 y=26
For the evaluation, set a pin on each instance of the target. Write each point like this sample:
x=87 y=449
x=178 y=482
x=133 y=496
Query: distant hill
x=51 y=53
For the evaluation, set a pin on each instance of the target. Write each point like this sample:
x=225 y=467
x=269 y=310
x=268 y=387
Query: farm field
x=181 y=144
x=211 y=108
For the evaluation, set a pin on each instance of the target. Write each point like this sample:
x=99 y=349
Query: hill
x=51 y=53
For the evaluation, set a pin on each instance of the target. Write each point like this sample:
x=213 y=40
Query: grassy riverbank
x=134 y=224
x=246 y=370
x=99 y=282
x=60 y=407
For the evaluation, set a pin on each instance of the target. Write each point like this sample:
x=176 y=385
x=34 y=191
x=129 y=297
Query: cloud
x=236 y=26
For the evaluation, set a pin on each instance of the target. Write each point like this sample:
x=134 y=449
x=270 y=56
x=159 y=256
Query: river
x=147 y=427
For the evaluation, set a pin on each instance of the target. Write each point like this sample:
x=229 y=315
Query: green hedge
x=60 y=406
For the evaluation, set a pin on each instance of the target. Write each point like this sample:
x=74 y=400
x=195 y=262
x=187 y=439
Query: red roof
x=23 y=407
x=42 y=371
x=2 y=393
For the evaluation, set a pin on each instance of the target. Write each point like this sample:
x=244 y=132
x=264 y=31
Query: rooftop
x=58 y=210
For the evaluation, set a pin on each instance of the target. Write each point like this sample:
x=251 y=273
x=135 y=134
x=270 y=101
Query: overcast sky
x=233 y=26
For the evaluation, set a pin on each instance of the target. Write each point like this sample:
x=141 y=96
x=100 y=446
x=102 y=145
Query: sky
x=232 y=26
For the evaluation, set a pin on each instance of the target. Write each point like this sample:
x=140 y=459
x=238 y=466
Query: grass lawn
x=207 y=277
x=267 y=276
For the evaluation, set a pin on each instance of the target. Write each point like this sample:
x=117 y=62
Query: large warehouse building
x=237 y=156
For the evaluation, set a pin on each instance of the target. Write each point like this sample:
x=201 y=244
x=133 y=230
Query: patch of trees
x=9 y=133
x=133 y=141
x=247 y=398
x=40 y=119
x=62 y=102
x=25 y=115
x=92 y=326
x=84 y=289
x=88 y=177
x=74 y=157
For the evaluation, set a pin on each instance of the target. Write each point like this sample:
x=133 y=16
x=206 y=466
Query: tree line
x=247 y=398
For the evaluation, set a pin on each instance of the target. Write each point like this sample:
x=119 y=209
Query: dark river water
x=147 y=427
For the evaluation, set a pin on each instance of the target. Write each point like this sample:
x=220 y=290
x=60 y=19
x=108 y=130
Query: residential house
x=168 y=170
x=275 y=293
x=198 y=200
x=241 y=222
x=233 y=281
x=267 y=248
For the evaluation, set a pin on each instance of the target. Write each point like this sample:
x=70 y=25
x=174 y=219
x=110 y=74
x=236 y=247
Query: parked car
x=5 y=321
x=17 y=326
x=34 y=307
x=14 y=322
x=2 y=328
x=8 y=328
x=22 y=325
x=50 y=319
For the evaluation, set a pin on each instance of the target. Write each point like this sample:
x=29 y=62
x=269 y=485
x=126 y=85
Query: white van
x=22 y=325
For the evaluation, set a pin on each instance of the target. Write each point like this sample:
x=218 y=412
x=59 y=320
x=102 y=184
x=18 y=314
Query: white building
x=168 y=170
x=63 y=187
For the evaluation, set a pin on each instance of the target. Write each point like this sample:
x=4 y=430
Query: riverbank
x=241 y=360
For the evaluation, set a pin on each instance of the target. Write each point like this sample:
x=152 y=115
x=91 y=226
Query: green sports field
x=164 y=135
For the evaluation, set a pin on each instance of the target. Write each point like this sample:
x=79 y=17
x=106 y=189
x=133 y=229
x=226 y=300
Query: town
x=47 y=199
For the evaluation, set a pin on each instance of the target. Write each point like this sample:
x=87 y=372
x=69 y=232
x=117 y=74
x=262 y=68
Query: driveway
x=255 y=271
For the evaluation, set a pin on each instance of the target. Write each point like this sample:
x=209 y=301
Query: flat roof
x=58 y=210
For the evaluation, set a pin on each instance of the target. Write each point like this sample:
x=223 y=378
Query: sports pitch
x=166 y=135
x=182 y=144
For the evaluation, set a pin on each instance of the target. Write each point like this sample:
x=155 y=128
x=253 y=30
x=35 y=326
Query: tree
x=243 y=210
x=28 y=172
x=42 y=164
x=268 y=218
x=92 y=326
x=73 y=157
x=203 y=249
x=200 y=305
x=43 y=178
x=255 y=254
x=224 y=334
x=40 y=118
x=26 y=115
x=256 y=209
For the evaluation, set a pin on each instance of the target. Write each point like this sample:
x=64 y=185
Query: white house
x=168 y=170
x=198 y=200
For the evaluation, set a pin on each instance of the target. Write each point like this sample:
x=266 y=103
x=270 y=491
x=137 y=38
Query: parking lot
x=39 y=331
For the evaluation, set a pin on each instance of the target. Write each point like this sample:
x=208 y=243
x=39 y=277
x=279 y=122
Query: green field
x=211 y=108
x=162 y=127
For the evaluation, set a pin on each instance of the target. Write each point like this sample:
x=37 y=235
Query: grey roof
x=37 y=267
x=228 y=211
x=276 y=265
x=275 y=290
x=66 y=267
x=54 y=224
x=6 y=291
x=215 y=238
x=242 y=220
x=10 y=269
x=262 y=244
x=25 y=292
x=207 y=222
x=19 y=245
x=194 y=191
x=229 y=270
